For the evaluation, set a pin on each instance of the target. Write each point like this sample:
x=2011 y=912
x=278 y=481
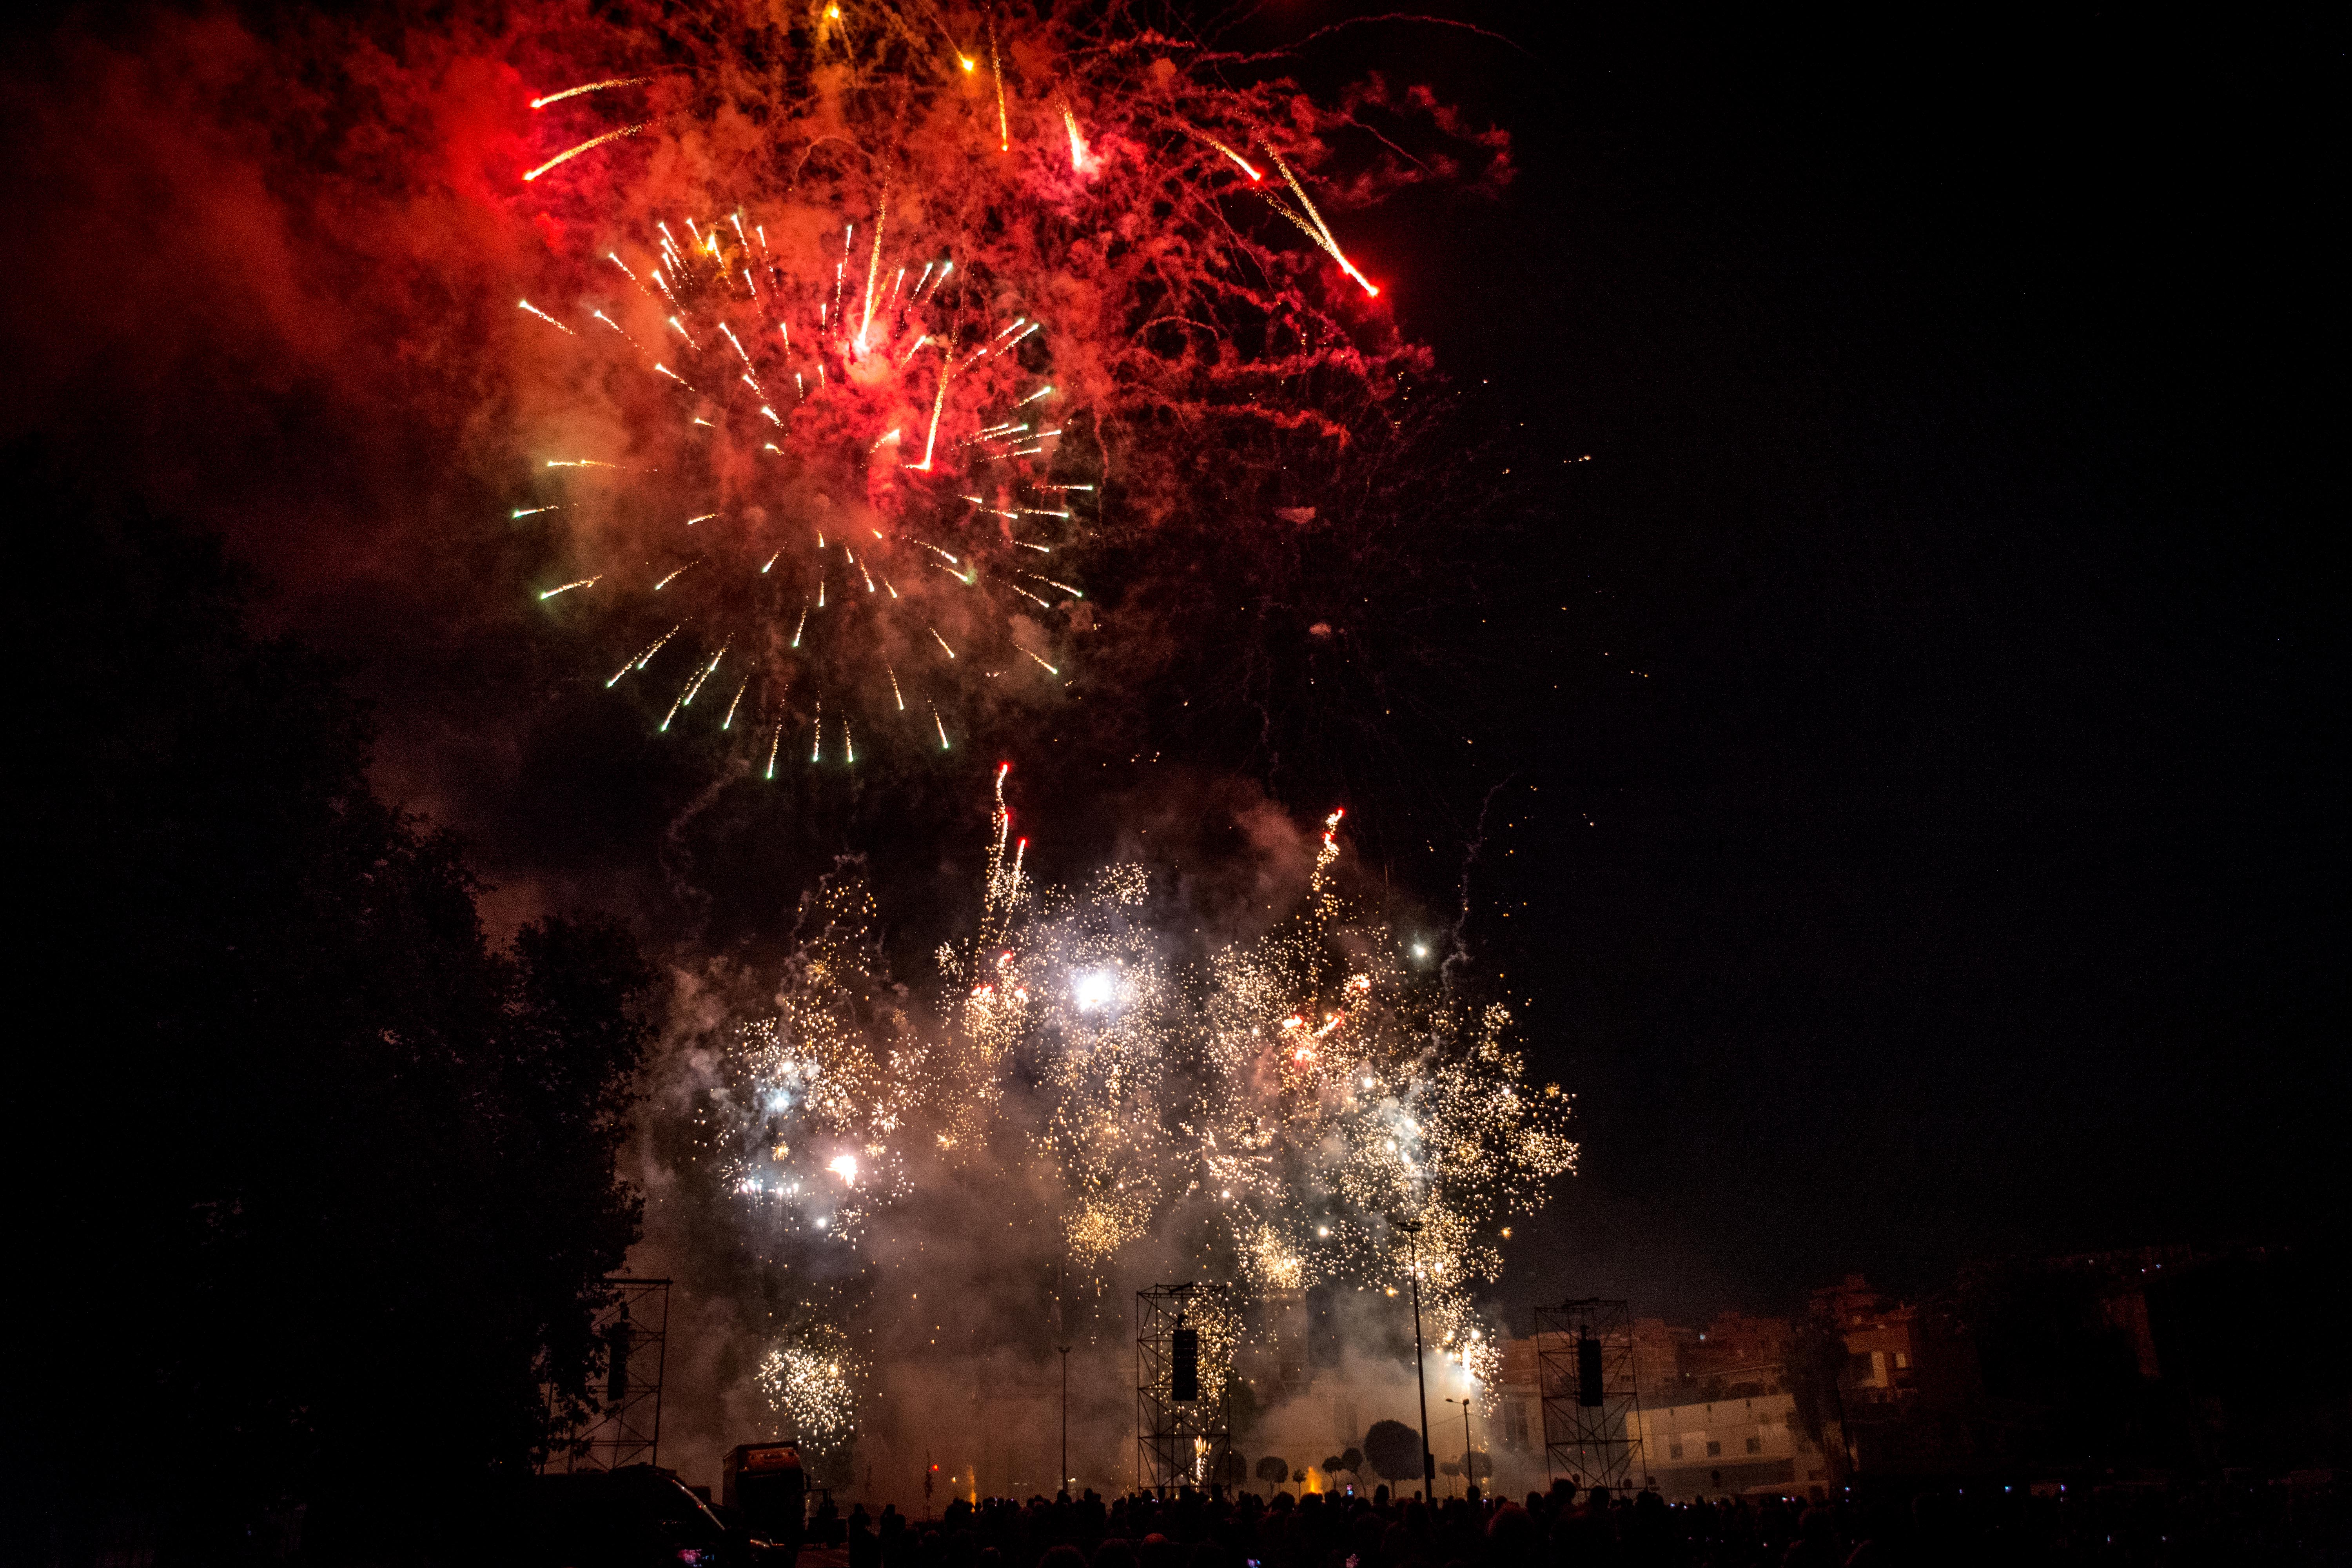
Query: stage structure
x=1591 y=1408
x=1184 y=1342
x=632 y=1333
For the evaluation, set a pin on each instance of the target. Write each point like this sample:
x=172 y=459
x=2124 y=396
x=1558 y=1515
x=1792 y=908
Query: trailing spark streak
x=639 y=662
x=996 y=69
x=589 y=87
x=692 y=692
x=589 y=145
x=685 y=696
x=932 y=440
x=1318 y=230
x=872 y=272
x=543 y=316
x=1244 y=164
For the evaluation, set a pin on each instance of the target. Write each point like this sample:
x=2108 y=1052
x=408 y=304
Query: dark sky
x=1905 y=744
x=1956 y=875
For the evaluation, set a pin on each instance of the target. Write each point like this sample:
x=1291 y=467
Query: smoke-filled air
x=881 y=327
x=993 y=749
x=863 y=337
x=895 y=1191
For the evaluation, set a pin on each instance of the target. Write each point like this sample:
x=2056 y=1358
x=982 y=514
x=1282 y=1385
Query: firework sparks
x=873 y=274
x=543 y=316
x=588 y=146
x=996 y=70
x=1244 y=164
x=1165 y=1098
x=841 y=314
x=1312 y=224
x=811 y=1386
x=640 y=661
x=590 y=86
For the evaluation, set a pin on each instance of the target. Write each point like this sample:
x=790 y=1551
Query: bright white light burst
x=1094 y=990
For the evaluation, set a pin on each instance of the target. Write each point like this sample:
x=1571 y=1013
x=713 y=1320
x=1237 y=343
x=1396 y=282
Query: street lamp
x=1063 y=1484
x=1411 y=1228
x=1466 y=1477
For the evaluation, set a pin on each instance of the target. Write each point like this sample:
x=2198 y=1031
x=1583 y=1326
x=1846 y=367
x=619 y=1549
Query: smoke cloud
x=271 y=278
x=889 y=1204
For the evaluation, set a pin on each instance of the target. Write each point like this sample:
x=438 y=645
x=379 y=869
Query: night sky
x=1959 y=878
x=1899 y=760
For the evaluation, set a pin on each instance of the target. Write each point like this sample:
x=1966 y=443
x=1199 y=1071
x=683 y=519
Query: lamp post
x=1466 y=1477
x=1063 y=1483
x=1411 y=1228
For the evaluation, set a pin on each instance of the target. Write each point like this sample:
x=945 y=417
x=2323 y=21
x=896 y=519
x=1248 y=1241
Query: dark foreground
x=641 y=1517
x=2112 y=1524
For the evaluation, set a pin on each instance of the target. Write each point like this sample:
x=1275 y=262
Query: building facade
x=1751 y=1443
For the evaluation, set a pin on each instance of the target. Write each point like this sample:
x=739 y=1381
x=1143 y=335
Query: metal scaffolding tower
x=1591 y=1408
x=1184 y=1427
x=632 y=1331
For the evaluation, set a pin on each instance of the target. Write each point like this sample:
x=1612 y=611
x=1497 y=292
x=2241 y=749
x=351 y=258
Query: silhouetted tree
x=318 y=1180
x=1393 y=1450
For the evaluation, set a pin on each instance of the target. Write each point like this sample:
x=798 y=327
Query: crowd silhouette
x=1569 y=1527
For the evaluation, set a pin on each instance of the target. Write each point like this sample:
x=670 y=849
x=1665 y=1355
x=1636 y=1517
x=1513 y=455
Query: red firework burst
x=877 y=327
